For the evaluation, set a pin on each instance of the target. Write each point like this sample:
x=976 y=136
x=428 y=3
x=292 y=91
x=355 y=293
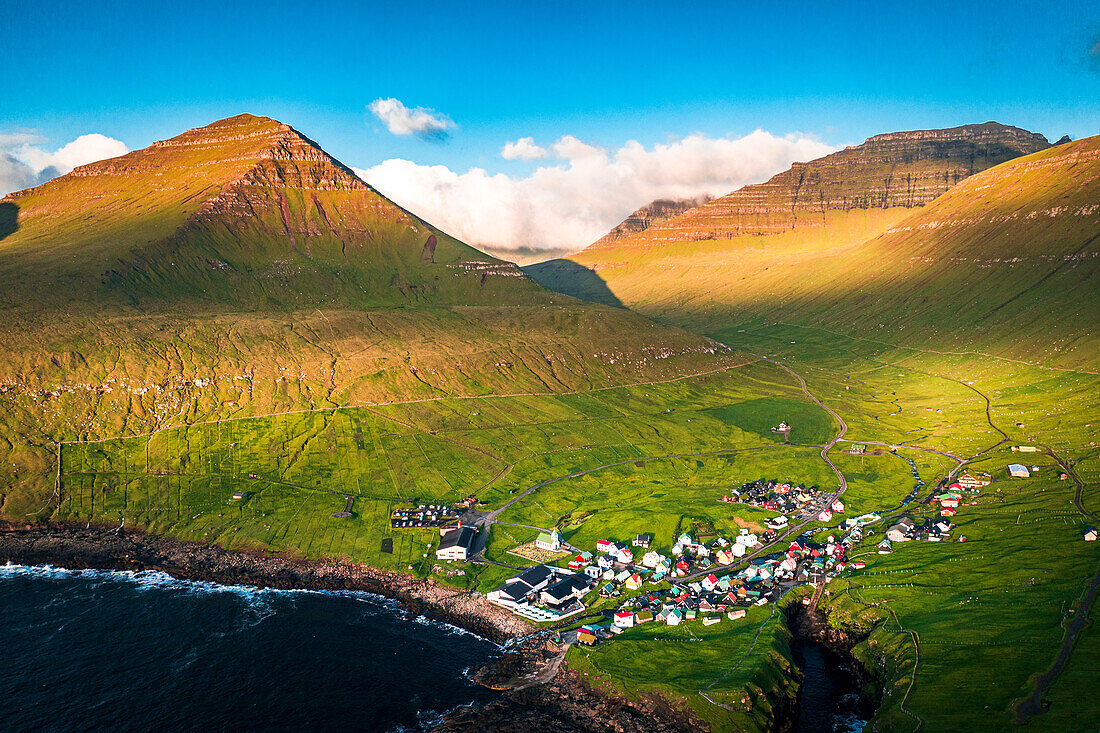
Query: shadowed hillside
x=1004 y=259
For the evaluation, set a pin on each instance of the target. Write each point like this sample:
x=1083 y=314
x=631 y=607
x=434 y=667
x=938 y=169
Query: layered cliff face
x=1003 y=261
x=652 y=213
x=903 y=170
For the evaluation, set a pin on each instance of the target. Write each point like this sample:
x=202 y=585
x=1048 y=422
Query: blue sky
x=605 y=73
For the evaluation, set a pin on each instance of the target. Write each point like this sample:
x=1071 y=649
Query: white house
x=779 y=522
x=624 y=619
x=1017 y=471
x=454 y=544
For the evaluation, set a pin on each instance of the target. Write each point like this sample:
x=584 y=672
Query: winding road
x=838 y=418
x=484 y=520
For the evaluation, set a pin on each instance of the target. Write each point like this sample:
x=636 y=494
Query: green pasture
x=677 y=662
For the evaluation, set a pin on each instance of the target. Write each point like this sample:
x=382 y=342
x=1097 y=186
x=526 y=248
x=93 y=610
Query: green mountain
x=238 y=269
x=245 y=212
x=949 y=258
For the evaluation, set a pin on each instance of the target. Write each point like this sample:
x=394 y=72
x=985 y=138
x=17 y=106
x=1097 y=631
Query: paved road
x=484 y=520
x=839 y=419
x=796 y=530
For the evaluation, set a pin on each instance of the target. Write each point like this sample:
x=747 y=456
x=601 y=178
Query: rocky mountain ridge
x=650 y=214
x=904 y=170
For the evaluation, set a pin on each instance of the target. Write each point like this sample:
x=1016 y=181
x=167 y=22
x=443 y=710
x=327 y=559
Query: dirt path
x=1033 y=705
x=828 y=499
x=487 y=519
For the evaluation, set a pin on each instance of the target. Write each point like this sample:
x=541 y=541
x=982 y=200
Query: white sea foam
x=258 y=599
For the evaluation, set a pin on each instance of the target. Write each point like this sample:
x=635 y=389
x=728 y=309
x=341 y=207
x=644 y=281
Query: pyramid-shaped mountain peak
x=242 y=211
x=237 y=147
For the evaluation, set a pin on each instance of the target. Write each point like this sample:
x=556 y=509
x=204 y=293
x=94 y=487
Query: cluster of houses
x=425 y=515
x=778 y=496
x=697 y=587
x=907 y=529
x=936 y=530
x=712 y=597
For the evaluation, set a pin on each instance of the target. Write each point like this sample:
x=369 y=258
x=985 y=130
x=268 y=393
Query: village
x=630 y=581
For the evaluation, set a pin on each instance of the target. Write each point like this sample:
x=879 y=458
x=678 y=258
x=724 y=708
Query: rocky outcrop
x=903 y=170
x=568 y=705
x=650 y=214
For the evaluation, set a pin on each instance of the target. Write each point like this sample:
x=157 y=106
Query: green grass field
x=963 y=611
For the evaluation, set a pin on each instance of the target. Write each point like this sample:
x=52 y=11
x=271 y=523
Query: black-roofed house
x=564 y=592
x=454 y=544
x=523 y=587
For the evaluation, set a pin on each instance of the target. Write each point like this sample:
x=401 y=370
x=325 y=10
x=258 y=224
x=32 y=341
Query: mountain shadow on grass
x=570 y=278
x=9 y=218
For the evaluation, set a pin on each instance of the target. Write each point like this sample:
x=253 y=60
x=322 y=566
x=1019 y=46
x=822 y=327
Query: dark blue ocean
x=122 y=651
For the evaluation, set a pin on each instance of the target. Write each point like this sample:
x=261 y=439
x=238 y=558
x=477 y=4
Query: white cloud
x=572 y=203
x=23 y=162
x=401 y=120
x=523 y=149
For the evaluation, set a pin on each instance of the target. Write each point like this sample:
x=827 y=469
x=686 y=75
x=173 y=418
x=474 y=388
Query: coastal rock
x=568 y=704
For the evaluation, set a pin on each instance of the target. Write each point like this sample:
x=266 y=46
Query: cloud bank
x=401 y=120
x=23 y=162
x=575 y=201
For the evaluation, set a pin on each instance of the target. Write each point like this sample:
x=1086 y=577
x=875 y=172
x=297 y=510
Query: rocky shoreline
x=79 y=547
x=562 y=704
x=566 y=702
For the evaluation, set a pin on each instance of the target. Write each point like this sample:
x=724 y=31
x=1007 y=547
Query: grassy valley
x=234 y=312
x=950 y=331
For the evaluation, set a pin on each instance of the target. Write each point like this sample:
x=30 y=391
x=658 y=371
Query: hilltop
x=895 y=171
x=244 y=212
